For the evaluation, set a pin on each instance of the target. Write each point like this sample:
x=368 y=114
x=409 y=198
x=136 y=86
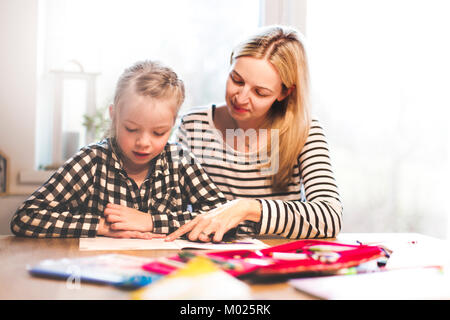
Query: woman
x=262 y=148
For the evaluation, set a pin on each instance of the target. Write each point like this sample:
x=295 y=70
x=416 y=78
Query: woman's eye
x=237 y=81
x=130 y=129
x=261 y=94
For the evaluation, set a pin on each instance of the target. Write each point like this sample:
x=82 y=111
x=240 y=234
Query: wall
x=18 y=89
x=18 y=63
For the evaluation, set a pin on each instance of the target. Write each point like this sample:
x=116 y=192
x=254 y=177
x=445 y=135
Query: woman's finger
x=181 y=230
x=201 y=226
x=218 y=235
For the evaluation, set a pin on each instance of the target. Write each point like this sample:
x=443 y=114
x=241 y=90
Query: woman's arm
x=197 y=190
x=320 y=216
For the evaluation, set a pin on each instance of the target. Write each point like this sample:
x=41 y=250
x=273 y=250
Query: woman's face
x=252 y=87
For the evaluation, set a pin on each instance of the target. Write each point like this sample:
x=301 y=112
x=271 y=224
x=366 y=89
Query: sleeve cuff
x=262 y=225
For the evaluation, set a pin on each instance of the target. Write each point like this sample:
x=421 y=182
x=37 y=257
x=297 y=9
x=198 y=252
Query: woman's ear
x=286 y=93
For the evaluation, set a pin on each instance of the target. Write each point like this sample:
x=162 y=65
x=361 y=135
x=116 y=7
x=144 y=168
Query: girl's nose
x=144 y=140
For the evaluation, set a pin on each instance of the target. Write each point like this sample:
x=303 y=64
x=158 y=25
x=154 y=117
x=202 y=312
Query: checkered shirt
x=72 y=201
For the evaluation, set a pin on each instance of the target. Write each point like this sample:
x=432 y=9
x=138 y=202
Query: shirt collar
x=158 y=165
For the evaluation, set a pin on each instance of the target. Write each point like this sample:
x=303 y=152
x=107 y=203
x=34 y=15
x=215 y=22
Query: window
x=101 y=38
x=380 y=73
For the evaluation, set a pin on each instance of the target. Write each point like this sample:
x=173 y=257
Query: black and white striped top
x=309 y=208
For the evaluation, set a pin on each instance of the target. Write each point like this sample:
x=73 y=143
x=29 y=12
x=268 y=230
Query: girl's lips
x=141 y=154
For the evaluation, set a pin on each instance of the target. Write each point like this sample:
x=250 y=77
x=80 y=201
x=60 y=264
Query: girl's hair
x=149 y=78
x=283 y=47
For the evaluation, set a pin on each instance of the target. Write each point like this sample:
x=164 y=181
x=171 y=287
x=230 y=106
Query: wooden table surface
x=16 y=283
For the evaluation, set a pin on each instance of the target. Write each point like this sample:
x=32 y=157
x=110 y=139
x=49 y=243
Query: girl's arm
x=57 y=208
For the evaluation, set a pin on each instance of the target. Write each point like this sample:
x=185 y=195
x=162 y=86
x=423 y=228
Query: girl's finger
x=114 y=206
x=120 y=226
x=157 y=235
x=113 y=218
x=109 y=211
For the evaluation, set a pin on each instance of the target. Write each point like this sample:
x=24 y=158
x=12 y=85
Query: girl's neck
x=137 y=173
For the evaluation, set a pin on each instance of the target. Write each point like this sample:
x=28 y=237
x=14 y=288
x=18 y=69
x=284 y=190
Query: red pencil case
x=302 y=256
x=314 y=256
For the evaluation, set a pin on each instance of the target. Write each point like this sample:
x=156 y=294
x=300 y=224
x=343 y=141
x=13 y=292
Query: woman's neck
x=242 y=136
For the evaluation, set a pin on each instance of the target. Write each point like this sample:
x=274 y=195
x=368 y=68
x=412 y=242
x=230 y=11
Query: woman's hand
x=217 y=222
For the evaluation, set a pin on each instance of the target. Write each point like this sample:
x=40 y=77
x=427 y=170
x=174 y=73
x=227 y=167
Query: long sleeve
x=56 y=209
x=310 y=207
x=196 y=188
x=320 y=216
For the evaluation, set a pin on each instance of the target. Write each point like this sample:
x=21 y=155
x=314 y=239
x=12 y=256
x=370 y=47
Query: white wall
x=286 y=12
x=18 y=58
x=18 y=89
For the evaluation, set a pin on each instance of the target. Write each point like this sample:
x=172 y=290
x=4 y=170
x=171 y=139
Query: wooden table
x=16 y=283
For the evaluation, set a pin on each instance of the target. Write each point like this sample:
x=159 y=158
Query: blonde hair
x=149 y=78
x=283 y=47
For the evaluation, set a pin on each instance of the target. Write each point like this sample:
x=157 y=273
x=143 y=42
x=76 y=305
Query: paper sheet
x=417 y=283
x=105 y=243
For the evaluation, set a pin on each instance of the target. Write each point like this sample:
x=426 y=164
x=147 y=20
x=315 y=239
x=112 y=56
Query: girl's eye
x=130 y=130
x=159 y=134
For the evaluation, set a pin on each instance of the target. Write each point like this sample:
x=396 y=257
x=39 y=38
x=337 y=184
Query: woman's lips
x=238 y=109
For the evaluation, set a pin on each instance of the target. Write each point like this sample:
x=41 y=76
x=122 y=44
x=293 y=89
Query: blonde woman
x=131 y=185
x=263 y=149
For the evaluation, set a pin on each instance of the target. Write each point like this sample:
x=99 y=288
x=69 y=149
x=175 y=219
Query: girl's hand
x=215 y=223
x=122 y=218
x=104 y=229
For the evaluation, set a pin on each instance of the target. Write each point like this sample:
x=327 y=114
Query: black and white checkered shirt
x=72 y=201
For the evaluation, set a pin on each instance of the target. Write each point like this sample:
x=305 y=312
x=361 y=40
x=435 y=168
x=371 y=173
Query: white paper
x=417 y=283
x=105 y=243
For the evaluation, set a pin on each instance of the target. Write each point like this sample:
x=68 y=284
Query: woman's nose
x=243 y=95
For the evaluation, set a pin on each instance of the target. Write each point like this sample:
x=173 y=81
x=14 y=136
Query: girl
x=132 y=184
x=291 y=192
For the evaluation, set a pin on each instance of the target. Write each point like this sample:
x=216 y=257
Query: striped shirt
x=309 y=208
x=72 y=201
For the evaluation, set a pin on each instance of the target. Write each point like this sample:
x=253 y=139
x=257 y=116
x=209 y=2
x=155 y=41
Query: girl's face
x=252 y=87
x=143 y=125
